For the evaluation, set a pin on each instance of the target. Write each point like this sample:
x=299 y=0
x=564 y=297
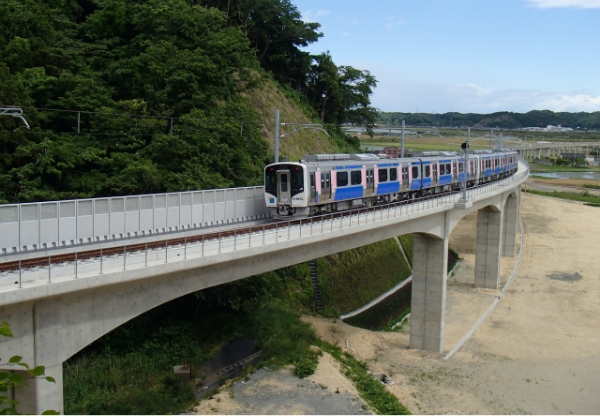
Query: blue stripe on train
x=415 y=184
x=426 y=182
x=445 y=179
x=348 y=192
x=388 y=188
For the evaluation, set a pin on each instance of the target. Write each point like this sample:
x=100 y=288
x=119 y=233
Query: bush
x=306 y=365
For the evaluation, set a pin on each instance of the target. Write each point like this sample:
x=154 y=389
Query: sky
x=479 y=56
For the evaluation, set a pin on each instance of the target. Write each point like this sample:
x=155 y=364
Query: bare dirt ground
x=538 y=351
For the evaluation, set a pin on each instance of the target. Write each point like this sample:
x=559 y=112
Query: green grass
x=353 y=278
x=407 y=243
x=592 y=186
x=535 y=167
x=572 y=196
x=370 y=389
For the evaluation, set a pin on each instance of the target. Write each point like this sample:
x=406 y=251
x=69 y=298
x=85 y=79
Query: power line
x=125 y=114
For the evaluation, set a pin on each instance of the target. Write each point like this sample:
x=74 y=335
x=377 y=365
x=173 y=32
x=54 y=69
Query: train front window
x=271 y=181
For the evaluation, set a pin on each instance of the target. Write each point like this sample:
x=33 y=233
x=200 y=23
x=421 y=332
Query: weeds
x=572 y=196
x=370 y=389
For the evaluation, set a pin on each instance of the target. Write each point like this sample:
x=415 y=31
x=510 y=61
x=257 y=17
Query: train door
x=325 y=186
x=405 y=183
x=313 y=190
x=370 y=181
x=434 y=167
x=284 y=195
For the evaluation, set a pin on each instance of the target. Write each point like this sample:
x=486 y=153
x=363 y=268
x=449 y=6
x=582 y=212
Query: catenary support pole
x=402 y=146
x=276 y=136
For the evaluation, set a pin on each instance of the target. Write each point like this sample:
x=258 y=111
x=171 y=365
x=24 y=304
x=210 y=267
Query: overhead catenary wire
x=116 y=114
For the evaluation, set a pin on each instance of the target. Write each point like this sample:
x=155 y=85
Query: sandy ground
x=537 y=352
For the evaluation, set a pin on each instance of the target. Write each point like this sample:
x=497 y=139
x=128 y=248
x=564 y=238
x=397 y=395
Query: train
x=324 y=183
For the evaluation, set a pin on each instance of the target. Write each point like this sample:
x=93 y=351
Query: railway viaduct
x=553 y=149
x=56 y=311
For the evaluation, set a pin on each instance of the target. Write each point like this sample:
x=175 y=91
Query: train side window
x=415 y=172
x=442 y=169
x=383 y=175
x=448 y=169
x=427 y=171
x=342 y=178
x=312 y=179
x=393 y=174
x=356 y=177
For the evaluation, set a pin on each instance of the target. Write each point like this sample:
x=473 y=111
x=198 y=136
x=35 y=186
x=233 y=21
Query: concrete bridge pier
x=428 y=302
x=488 y=247
x=509 y=230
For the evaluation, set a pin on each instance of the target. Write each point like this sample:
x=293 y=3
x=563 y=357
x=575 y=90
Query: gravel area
x=277 y=391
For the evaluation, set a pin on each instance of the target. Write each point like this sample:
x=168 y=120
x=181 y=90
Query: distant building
x=391 y=151
x=549 y=128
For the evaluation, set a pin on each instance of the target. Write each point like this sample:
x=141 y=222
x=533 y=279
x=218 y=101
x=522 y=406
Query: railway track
x=44 y=261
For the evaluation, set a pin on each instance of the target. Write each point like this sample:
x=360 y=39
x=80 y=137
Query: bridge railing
x=178 y=249
x=43 y=225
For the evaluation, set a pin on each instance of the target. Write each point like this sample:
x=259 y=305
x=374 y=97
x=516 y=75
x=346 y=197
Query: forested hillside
x=503 y=119
x=140 y=96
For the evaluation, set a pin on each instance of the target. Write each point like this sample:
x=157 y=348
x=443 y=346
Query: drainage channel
x=229 y=363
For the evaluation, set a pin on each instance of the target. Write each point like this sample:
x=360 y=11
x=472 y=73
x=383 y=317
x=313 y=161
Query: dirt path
x=538 y=352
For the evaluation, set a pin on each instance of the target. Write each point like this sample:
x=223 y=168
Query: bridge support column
x=487 y=252
x=511 y=216
x=428 y=302
x=40 y=395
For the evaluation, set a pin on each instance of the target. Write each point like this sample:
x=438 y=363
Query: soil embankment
x=537 y=352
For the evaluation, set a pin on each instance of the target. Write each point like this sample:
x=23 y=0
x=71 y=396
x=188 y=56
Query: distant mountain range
x=502 y=119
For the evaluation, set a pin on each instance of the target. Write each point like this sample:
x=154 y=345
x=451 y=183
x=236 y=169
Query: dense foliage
x=503 y=119
x=152 y=95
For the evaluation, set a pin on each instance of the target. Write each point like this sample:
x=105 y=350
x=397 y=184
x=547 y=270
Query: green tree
x=10 y=380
